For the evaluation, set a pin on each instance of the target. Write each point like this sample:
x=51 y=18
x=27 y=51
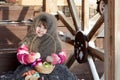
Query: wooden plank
x=8 y=62
x=96 y=52
x=16 y=13
x=69 y=26
x=110 y=50
x=50 y=6
x=85 y=15
x=8 y=50
x=11 y=35
x=74 y=14
x=30 y=2
x=112 y=40
x=40 y=2
x=70 y=60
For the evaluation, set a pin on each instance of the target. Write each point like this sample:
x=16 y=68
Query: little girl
x=41 y=47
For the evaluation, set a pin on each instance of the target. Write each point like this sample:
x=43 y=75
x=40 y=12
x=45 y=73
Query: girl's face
x=41 y=30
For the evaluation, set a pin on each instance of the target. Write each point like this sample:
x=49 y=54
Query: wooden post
x=109 y=42
x=85 y=14
x=112 y=40
x=74 y=14
x=50 y=6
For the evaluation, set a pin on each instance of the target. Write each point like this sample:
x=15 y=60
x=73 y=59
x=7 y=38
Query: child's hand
x=54 y=59
x=57 y=58
x=49 y=59
x=62 y=56
x=32 y=57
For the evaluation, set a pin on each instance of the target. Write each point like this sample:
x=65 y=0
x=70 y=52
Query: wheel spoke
x=71 y=60
x=96 y=29
x=74 y=14
x=96 y=52
x=69 y=26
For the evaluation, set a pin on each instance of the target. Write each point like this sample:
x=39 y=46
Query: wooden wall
x=10 y=36
x=40 y=2
x=16 y=13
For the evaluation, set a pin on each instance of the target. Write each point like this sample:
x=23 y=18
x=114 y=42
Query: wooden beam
x=16 y=13
x=50 y=6
x=40 y=2
x=85 y=15
x=8 y=50
x=74 y=14
x=95 y=30
x=69 y=26
x=70 y=60
x=96 y=52
x=110 y=50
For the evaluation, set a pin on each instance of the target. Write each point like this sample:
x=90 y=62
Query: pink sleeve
x=24 y=57
x=59 y=58
x=62 y=56
x=22 y=53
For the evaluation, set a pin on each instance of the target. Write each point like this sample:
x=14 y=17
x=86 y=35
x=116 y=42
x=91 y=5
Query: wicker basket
x=45 y=67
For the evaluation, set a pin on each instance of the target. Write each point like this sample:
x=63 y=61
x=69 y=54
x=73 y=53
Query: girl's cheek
x=37 y=29
x=45 y=31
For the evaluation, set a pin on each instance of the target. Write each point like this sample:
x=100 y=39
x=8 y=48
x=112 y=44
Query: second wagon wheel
x=101 y=6
x=82 y=50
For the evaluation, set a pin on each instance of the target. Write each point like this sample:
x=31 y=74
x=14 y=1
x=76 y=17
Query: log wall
x=10 y=36
x=16 y=12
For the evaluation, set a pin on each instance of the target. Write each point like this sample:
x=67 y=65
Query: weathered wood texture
x=96 y=53
x=16 y=12
x=10 y=36
x=112 y=40
x=8 y=61
x=50 y=6
x=96 y=29
x=68 y=24
x=85 y=15
x=40 y=2
x=74 y=14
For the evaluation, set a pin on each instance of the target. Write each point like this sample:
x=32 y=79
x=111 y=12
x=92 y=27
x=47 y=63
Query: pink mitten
x=57 y=58
x=62 y=56
x=54 y=59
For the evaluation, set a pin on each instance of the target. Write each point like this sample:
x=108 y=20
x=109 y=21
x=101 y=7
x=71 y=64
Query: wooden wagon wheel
x=100 y=6
x=82 y=49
